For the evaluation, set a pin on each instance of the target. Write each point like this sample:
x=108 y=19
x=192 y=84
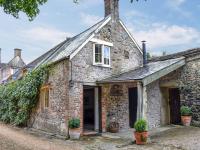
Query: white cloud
x=89 y=20
x=161 y=36
x=43 y=35
x=37 y=40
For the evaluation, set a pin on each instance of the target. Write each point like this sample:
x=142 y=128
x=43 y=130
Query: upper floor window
x=101 y=55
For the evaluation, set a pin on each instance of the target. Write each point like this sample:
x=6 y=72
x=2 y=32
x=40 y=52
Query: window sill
x=100 y=65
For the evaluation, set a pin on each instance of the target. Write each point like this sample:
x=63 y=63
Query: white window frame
x=102 y=57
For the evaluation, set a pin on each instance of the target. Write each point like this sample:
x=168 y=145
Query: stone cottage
x=7 y=70
x=102 y=75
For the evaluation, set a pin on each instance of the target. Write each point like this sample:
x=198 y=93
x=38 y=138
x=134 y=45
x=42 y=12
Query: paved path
x=180 y=138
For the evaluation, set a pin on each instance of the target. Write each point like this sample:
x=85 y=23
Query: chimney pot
x=17 y=52
x=144 y=53
x=112 y=8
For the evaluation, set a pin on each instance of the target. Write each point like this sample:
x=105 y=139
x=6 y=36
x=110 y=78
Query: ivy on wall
x=18 y=98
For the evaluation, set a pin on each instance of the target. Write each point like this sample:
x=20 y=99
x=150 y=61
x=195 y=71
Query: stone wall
x=83 y=69
x=53 y=119
x=76 y=102
x=154 y=104
x=187 y=79
x=85 y=73
x=116 y=108
x=190 y=87
x=123 y=46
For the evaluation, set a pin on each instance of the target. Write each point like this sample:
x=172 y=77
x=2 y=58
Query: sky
x=167 y=25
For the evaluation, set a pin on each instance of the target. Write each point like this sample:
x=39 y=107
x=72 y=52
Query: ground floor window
x=44 y=95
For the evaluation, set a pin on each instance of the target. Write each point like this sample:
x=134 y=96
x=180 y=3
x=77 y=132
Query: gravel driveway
x=180 y=138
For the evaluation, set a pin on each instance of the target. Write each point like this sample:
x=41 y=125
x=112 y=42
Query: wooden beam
x=98 y=41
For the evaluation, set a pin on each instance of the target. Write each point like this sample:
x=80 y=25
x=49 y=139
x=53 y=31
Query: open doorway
x=174 y=101
x=133 y=103
x=88 y=109
x=91 y=110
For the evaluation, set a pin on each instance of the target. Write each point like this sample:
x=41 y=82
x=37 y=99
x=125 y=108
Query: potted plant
x=74 y=131
x=141 y=133
x=186 y=115
x=114 y=127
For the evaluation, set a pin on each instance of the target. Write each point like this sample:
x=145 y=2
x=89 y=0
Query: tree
x=29 y=7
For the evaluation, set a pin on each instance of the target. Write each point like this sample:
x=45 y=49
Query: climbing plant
x=18 y=98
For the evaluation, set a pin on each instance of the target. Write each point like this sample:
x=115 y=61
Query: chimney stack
x=17 y=52
x=144 y=53
x=112 y=8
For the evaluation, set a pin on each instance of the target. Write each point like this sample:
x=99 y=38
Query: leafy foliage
x=140 y=125
x=17 y=99
x=74 y=123
x=29 y=7
x=186 y=111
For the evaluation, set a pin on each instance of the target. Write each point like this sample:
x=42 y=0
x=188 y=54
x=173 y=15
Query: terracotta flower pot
x=141 y=137
x=114 y=127
x=186 y=120
x=114 y=130
x=74 y=134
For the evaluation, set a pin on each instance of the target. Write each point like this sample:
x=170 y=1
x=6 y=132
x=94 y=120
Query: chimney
x=144 y=53
x=112 y=8
x=17 y=52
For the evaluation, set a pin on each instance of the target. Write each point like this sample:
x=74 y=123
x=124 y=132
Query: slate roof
x=16 y=62
x=67 y=47
x=187 y=53
x=142 y=72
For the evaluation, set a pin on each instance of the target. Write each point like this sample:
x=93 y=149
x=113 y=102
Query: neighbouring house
x=102 y=75
x=8 y=70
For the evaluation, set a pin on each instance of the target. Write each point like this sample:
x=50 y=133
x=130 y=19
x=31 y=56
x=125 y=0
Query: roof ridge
x=175 y=55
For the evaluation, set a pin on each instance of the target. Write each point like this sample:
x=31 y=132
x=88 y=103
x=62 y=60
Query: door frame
x=97 y=107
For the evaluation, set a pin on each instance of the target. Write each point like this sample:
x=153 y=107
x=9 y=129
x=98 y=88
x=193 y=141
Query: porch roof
x=148 y=73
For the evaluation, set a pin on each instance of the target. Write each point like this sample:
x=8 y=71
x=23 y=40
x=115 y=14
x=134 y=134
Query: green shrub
x=18 y=98
x=186 y=111
x=74 y=123
x=140 y=125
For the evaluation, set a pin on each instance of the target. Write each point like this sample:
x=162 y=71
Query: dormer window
x=102 y=55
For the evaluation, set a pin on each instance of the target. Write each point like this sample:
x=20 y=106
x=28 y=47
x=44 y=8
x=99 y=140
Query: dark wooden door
x=88 y=109
x=133 y=98
x=174 y=100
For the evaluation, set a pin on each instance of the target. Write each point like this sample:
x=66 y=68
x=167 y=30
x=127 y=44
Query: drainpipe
x=144 y=53
x=71 y=83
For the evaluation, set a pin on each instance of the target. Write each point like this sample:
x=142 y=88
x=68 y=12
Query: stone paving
x=167 y=138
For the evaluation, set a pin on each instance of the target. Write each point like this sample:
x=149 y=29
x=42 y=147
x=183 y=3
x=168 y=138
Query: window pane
x=106 y=55
x=98 y=53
